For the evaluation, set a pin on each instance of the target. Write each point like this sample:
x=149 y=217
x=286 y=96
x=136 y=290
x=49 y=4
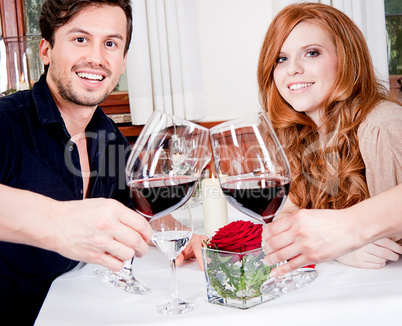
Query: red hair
x=333 y=175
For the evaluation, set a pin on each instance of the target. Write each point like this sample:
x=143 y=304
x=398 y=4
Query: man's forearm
x=23 y=216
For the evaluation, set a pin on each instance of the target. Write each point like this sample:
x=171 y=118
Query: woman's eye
x=281 y=59
x=312 y=53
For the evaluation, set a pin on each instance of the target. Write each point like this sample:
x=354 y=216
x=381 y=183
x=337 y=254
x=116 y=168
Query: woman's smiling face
x=307 y=68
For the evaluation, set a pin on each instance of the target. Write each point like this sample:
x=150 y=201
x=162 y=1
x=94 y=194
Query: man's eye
x=110 y=44
x=80 y=39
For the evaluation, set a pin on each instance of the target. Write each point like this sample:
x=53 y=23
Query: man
x=57 y=147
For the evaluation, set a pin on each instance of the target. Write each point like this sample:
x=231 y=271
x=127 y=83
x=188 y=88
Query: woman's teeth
x=299 y=86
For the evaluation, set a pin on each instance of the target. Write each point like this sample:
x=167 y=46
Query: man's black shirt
x=37 y=154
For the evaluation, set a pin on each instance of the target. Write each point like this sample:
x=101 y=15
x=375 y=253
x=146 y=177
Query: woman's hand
x=374 y=255
x=309 y=237
x=193 y=249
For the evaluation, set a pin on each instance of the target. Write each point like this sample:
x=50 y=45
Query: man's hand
x=100 y=231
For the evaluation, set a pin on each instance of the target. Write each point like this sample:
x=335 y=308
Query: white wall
x=231 y=33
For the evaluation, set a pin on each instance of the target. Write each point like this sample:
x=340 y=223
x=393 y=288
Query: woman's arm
x=380 y=144
x=316 y=236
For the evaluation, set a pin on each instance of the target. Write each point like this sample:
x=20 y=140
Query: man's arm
x=101 y=231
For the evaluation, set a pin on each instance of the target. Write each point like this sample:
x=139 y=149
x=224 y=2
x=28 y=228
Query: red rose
x=238 y=236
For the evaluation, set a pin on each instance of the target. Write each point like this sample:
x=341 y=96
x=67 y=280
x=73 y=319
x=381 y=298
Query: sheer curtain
x=369 y=16
x=163 y=63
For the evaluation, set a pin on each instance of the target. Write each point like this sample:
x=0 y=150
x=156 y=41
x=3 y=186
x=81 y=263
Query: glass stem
x=128 y=266
x=175 y=292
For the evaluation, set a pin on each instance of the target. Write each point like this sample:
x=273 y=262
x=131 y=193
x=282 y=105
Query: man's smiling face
x=87 y=58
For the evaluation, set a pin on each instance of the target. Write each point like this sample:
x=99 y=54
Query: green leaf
x=237 y=280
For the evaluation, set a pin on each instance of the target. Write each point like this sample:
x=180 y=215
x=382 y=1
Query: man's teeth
x=91 y=77
x=299 y=86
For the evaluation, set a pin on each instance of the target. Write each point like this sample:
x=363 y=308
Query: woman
x=338 y=125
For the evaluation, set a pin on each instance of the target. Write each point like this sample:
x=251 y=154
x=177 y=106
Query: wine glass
x=123 y=279
x=255 y=178
x=162 y=172
x=171 y=235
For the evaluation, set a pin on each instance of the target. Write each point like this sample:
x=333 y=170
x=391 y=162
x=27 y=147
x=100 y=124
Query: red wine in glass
x=161 y=174
x=157 y=197
x=255 y=177
x=162 y=171
x=258 y=197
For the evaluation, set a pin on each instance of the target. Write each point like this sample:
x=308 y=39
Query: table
x=341 y=295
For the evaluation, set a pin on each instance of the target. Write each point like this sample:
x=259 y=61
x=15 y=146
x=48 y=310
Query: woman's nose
x=295 y=66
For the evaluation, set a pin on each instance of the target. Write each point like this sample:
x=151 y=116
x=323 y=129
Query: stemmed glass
x=255 y=177
x=123 y=279
x=162 y=172
x=171 y=235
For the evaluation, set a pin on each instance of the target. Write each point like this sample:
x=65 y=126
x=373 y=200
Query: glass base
x=290 y=282
x=123 y=280
x=175 y=308
x=234 y=279
x=239 y=303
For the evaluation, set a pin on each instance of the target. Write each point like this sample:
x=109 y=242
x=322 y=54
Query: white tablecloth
x=340 y=296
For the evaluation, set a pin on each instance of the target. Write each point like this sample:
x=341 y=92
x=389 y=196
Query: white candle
x=17 y=75
x=214 y=206
x=25 y=68
x=22 y=86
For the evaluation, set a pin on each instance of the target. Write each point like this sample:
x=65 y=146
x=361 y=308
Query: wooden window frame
x=12 y=18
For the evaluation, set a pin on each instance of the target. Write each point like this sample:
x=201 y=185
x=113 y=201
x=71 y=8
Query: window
x=393 y=21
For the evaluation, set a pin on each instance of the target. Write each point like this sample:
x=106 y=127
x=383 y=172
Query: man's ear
x=44 y=51
x=124 y=64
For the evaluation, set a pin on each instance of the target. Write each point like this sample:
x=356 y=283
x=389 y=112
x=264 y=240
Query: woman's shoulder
x=380 y=144
x=385 y=114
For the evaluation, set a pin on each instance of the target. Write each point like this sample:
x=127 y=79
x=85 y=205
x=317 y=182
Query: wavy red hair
x=328 y=170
